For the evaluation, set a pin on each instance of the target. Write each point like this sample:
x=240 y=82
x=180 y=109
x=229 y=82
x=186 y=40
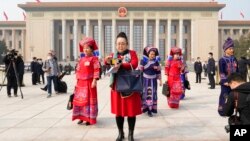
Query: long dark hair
x=122 y=35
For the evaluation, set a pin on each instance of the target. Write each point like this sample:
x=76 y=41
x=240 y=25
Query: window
x=162 y=29
x=71 y=50
x=83 y=29
x=162 y=49
x=245 y=31
x=236 y=31
x=185 y=43
x=226 y=31
x=60 y=50
x=60 y=29
x=150 y=36
x=138 y=39
x=1 y=32
x=10 y=33
x=10 y=44
x=71 y=29
x=123 y=28
x=173 y=29
x=107 y=40
x=19 y=44
x=185 y=29
x=173 y=42
x=95 y=33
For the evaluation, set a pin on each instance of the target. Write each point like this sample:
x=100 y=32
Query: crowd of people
x=89 y=69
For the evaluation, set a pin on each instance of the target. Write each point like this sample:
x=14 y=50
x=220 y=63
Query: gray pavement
x=38 y=118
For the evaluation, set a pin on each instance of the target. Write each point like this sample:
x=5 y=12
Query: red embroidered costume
x=173 y=70
x=85 y=98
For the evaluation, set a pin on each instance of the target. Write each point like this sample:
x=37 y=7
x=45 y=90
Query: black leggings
x=120 y=122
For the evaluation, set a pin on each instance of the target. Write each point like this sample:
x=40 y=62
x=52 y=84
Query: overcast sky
x=230 y=12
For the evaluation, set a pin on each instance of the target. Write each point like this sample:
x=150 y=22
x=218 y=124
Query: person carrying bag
x=129 y=81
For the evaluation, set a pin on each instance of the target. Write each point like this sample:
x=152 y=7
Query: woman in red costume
x=87 y=73
x=173 y=70
x=124 y=106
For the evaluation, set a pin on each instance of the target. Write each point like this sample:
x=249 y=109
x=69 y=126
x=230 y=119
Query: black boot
x=119 y=122
x=131 y=135
x=131 y=126
x=120 y=135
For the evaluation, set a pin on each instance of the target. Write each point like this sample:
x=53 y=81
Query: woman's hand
x=226 y=84
x=93 y=83
x=160 y=82
x=108 y=59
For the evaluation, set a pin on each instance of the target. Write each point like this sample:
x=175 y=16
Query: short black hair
x=122 y=35
x=210 y=53
x=235 y=77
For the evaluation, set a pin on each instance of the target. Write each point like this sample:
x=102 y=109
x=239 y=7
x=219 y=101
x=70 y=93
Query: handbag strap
x=131 y=67
x=236 y=97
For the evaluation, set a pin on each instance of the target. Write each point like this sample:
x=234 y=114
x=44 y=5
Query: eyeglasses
x=121 y=44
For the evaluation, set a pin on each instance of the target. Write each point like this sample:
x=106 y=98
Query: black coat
x=40 y=68
x=211 y=66
x=34 y=67
x=197 y=67
x=243 y=65
x=9 y=65
x=20 y=66
x=243 y=103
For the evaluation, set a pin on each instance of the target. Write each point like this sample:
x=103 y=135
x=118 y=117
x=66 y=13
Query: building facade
x=233 y=29
x=192 y=26
x=14 y=35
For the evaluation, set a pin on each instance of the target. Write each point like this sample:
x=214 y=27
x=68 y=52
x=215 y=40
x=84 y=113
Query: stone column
x=145 y=26
x=52 y=38
x=22 y=41
x=169 y=36
x=3 y=36
x=113 y=34
x=181 y=34
x=131 y=31
x=13 y=39
x=157 y=28
x=63 y=39
x=87 y=27
x=192 y=38
x=75 y=38
x=240 y=32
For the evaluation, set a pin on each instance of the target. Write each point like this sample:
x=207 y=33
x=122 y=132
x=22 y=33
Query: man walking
x=211 y=70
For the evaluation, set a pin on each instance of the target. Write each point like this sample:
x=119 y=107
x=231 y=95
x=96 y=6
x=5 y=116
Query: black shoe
x=211 y=88
x=150 y=114
x=131 y=135
x=80 y=122
x=87 y=123
x=43 y=89
x=145 y=110
x=120 y=136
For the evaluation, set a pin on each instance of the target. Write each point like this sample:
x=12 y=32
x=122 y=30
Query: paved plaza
x=38 y=118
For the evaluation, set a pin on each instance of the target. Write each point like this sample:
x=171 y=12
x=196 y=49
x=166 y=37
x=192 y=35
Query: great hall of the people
x=193 y=26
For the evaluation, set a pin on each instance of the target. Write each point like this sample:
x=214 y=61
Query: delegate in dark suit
x=211 y=70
